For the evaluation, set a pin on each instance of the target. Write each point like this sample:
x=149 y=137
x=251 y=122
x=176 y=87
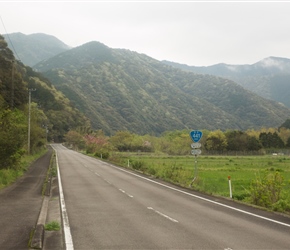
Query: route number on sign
x=195 y=135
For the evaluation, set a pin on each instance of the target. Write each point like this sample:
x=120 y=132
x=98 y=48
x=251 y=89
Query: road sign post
x=195 y=136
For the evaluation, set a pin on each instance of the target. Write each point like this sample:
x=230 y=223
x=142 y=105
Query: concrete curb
x=38 y=236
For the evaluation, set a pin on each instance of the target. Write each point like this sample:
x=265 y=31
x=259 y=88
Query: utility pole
x=29 y=115
x=12 y=86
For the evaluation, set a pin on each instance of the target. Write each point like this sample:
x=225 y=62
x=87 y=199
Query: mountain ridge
x=123 y=90
x=269 y=77
x=34 y=48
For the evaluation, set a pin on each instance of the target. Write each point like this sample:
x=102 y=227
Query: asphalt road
x=113 y=208
x=20 y=204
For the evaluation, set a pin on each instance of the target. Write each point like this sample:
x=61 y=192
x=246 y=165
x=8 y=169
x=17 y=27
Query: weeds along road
x=113 y=208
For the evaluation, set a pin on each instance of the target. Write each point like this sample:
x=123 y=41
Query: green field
x=212 y=172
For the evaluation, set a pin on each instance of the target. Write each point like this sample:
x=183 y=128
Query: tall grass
x=212 y=172
x=10 y=175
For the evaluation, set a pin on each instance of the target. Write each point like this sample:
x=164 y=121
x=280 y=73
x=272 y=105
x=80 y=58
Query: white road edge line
x=66 y=228
x=201 y=198
x=162 y=214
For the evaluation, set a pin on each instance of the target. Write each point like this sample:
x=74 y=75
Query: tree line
x=178 y=142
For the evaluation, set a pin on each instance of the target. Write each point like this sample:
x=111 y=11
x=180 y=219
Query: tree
x=75 y=140
x=288 y=143
x=253 y=144
x=237 y=140
x=286 y=124
x=284 y=134
x=122 y=140
x=216 y=140
x=271 y=140
x=13 y=134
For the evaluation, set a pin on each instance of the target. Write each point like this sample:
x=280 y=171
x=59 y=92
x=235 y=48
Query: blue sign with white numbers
x=195 y=135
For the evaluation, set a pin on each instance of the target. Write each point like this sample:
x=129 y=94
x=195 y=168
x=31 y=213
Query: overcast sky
x=194 y=33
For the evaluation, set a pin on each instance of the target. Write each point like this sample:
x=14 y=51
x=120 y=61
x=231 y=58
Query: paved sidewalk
x=20 y=205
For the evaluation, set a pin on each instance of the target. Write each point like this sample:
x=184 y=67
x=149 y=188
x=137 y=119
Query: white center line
x=164 y=215
x=201 y=198
x=131 y=196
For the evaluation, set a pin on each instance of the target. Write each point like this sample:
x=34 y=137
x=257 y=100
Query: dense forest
x=26 y=124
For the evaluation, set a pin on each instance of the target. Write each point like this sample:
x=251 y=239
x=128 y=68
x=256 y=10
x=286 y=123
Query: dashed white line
x=131 y=196
x=107 y=181
x=201 y=198
x=162 y=214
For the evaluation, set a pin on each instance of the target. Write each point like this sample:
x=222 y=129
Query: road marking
x=66 y=227
x=97 y=174
x=162 y=214
x=201 y=198
x=107 y=181
x=131 y=196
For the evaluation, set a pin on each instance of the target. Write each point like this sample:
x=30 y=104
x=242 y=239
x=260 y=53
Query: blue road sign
x=195 y=135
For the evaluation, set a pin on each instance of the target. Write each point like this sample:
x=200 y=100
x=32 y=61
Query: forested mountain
x=34 y=48
x=49 y=107
x=269 y=78
x=123 y=90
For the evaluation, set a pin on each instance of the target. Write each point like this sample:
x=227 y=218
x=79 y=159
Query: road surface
x=113 y=208
x=20 y=204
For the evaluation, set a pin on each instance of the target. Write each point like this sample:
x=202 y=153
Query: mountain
x=123 y=90
x=51 y=108
x=34 y=48
x=269 y=78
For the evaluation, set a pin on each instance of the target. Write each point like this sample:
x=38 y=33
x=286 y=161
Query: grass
x=52 y=226
x=10 y=175
x=212 y=171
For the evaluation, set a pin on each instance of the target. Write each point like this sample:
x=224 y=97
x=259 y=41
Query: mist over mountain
x=123 y=90
x=269 y=78
x=34 y=48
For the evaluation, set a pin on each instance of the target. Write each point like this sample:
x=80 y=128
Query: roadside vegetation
x=11 y=174
x=257 y=162
x=262 y=180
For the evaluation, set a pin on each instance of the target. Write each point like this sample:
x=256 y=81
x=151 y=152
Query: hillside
x=120 y=89
x=50 y=108
x=34 y=48
x=269 y=78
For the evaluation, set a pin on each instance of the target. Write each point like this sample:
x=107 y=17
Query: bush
x=103 y=155
x=138 y=165
x=266 y=191
x=281 y=206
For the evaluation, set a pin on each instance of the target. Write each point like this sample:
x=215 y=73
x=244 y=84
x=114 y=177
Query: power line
x=14 y=50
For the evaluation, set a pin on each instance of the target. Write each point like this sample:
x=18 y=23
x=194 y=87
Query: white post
x=230 y=186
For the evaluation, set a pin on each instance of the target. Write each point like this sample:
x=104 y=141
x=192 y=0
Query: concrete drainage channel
x=50 y=212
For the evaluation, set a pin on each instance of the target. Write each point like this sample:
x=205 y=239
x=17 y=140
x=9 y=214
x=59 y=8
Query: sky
x=196 y=33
